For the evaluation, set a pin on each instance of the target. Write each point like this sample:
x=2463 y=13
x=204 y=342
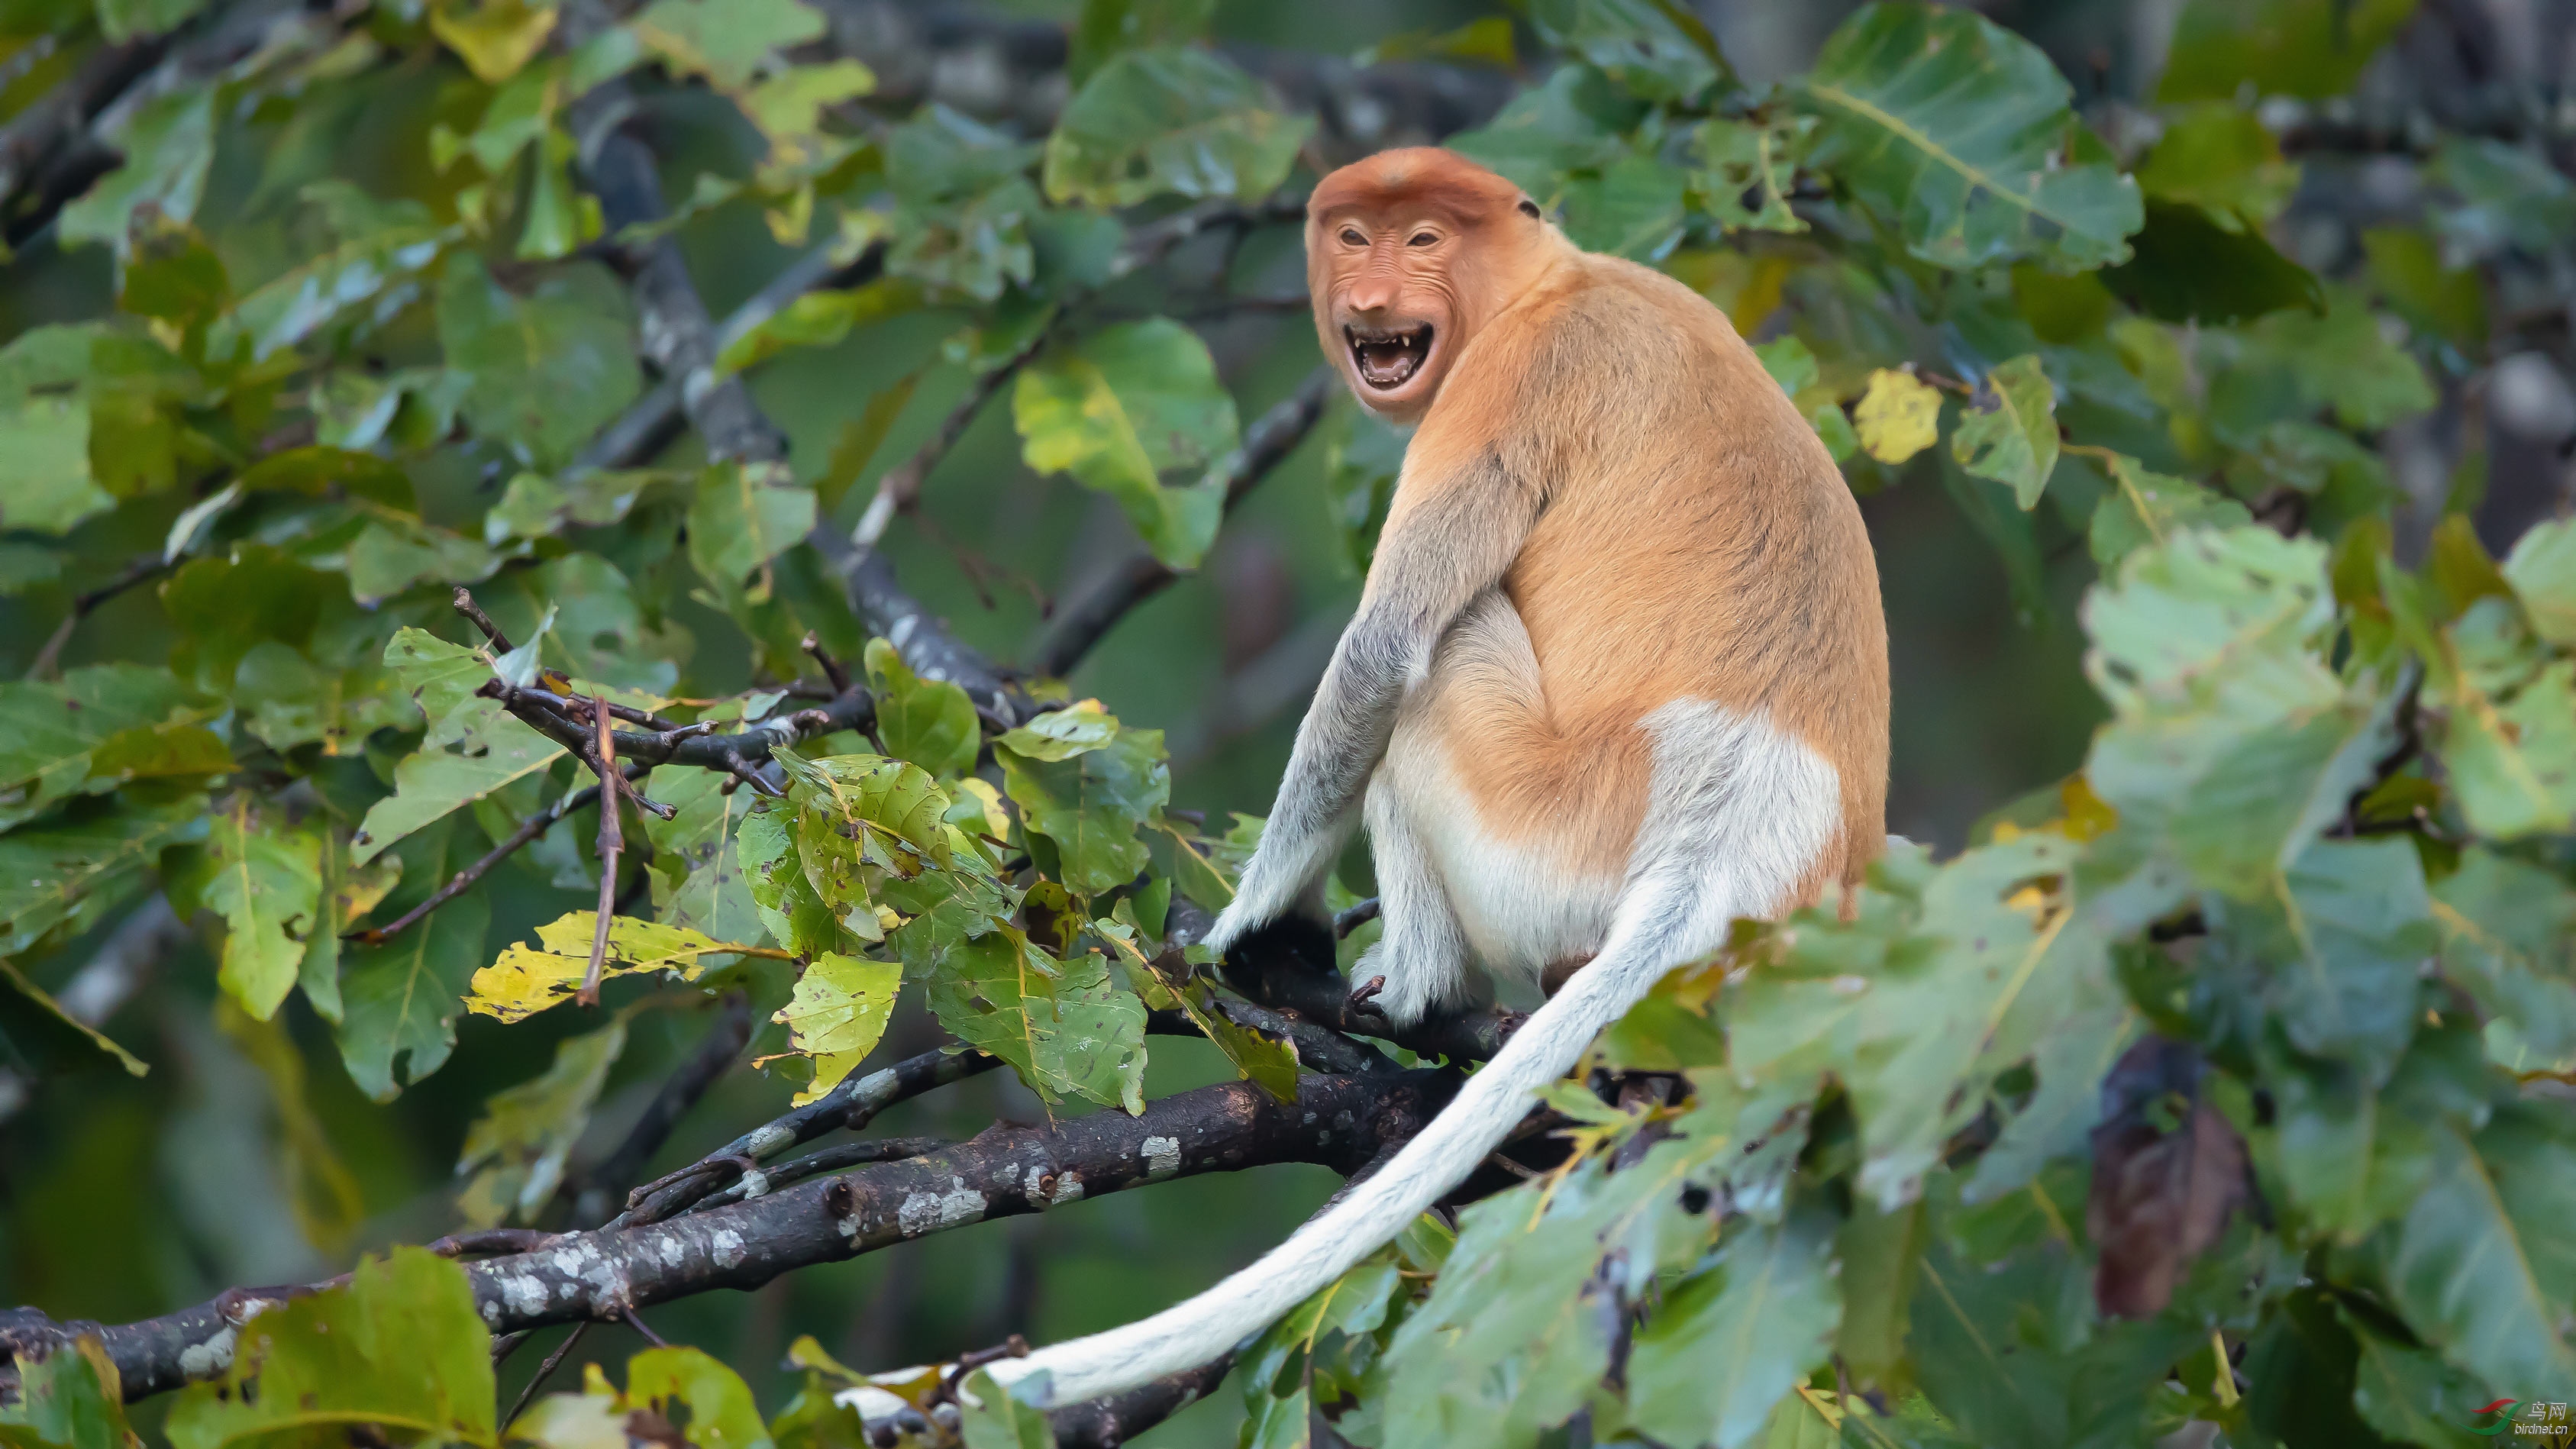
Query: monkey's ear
x=1529 y=208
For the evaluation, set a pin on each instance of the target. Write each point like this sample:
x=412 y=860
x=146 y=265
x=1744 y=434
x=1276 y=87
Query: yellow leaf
x=494 y=38
x=1898 y=417
x=528 y=979
x=839 y=1010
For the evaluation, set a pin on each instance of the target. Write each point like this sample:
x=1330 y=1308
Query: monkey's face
x=1407 y=252
x=1390 y=305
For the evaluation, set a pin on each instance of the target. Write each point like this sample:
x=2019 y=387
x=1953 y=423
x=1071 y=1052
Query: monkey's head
x=1408 y=253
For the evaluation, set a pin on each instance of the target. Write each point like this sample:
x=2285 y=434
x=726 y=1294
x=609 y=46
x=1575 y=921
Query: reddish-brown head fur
x=1408 y=254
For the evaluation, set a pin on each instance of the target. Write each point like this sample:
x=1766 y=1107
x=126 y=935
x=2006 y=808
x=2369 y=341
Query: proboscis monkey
x=1618 y=675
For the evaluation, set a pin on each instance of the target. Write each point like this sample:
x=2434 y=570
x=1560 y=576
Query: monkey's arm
x=1447 y=539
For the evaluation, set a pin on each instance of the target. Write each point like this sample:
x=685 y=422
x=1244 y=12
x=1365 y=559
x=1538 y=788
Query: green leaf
x=517 y=1148
x=746 y=514
x=50 y=489
x=728 y=43
x=51 y=733
x=2218 y=156
x=1085 y=784
x=602 y=634
x=2542 y=570
x=68 y=1398
x=2308 y=48
x=2481 y=1266
x=1729 y=1341
x=267 y=885
x=123 y=20
x=168 y=143
x=2341 y=360
x=1169 y=120
x=992 y=1419
x=1061 y=1025
x=2355 y=1154
x=2507 y=929
x=430 y=783
x=699 y=881
x=1959 y=132
x=1514 y=1337
x=1365 y=456
x=547 y=371
x=362 y=279
x=1571 y=122
x=399 y=1000
x=396 y=550
x=2232 y=743
x=45 y=1038
x=1658 y=50
x=2511 y=760
x=839 y=1011
x=1632 y=208
x=2408 y=1394
x=2009 y=431
x=493 y=37
x=819 y=319
x=2188 y=266
x=1745 y=171
x=930 y=722
x=1135 y=401
x=400 y=1347
x=68 y=874
x=862 y=818
x=2510 y=198
x=2146 y=508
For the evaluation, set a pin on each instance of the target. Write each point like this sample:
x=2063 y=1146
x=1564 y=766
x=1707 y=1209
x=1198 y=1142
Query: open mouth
x=1386 y=358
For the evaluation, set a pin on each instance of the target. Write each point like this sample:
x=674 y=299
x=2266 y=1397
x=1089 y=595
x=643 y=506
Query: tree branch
x=1271 y=438
x=1338 y=1122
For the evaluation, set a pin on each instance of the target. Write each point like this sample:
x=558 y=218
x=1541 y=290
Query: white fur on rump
x=1740 y=814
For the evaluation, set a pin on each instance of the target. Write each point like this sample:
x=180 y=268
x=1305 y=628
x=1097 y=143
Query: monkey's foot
x=1366 y=993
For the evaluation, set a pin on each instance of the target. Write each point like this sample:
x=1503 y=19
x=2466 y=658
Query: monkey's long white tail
x=1492 y=1102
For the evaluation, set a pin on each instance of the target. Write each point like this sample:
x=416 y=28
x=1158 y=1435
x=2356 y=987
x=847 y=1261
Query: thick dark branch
x=656 y=420
x=1110 y=1422
x=1338 y=1122
x=1080 y=624
x=925 y=643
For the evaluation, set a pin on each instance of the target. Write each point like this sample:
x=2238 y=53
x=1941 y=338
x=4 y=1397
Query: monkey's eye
x=1351 y=237
x=1422 y=239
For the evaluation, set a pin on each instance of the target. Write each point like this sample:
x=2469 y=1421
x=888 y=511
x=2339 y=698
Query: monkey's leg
x=1421 y=953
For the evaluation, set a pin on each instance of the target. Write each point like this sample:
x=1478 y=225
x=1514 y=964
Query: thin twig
x=463 y=881
x=1080 y=624
x=635 y=1321
x=824 y=661
x=545 y=1371
x=612 y=843
x=900 y=486
x=465 y=605
x=49 y=656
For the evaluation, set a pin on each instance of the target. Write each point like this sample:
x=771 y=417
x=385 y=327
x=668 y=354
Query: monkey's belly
x=1517 y=904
